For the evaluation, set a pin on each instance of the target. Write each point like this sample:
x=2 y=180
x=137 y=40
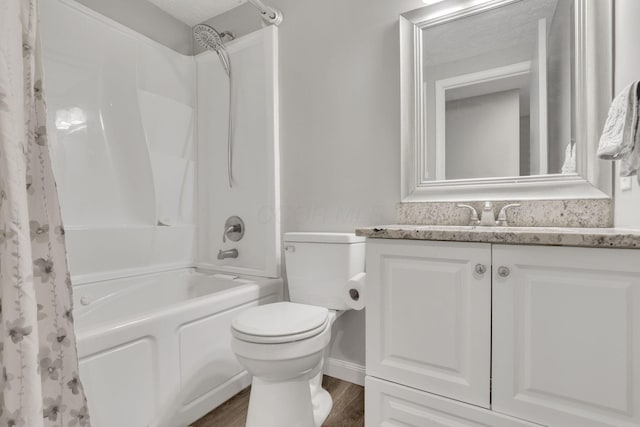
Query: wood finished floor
x=348 y=407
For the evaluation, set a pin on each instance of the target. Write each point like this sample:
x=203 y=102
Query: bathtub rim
x=272 y=285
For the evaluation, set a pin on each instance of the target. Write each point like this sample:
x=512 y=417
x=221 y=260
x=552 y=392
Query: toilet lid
x=280 y=322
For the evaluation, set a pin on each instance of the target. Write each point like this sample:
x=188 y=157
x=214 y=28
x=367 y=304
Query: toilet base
x=280 y=403
x=320 y=399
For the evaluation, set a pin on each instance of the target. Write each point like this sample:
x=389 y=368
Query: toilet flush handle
x=290 y=248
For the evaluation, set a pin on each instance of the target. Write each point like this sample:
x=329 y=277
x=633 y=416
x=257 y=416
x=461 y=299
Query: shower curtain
x=39 y=384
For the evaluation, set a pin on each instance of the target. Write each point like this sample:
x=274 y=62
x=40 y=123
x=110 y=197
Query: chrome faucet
x=502 y=216
x=233 y=229
x=231 y=253
x=487 y=216
x=474 y=219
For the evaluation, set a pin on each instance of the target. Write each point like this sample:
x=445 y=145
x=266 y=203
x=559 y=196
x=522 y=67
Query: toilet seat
x=280 y=323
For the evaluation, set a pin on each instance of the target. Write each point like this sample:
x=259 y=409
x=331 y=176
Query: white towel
x=620 y=138
x=569 y=165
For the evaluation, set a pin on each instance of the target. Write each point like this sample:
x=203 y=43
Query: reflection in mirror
x=499 y=92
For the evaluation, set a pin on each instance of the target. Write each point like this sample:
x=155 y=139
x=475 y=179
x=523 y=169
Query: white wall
x=241 y=21
x=147 y=19
x=627 y=69
x=339 y=122
x=482 y=134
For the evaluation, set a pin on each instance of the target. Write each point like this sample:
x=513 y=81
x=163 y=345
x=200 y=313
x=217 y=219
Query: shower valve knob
x=233 y=229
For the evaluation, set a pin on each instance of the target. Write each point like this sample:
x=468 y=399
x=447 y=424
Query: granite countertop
x=550 y=236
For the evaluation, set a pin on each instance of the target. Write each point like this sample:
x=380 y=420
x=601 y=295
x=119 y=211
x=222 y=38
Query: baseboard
x=346 y=371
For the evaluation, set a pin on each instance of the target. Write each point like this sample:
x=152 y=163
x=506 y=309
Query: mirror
x=505 y=99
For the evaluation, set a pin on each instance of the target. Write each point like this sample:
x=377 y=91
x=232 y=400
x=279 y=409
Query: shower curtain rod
x=269 y=14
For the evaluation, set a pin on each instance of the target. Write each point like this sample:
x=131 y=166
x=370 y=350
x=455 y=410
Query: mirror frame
x=593 y=65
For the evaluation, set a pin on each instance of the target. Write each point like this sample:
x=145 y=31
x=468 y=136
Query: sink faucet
x=474 y=219
x=502 y=216
x=487 y=216
x=231 y=253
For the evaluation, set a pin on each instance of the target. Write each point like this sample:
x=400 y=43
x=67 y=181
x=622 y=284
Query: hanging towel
x=630 y=165
x=620 y=138
x=569 y=165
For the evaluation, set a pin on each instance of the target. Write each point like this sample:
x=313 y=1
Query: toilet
x=283 y=344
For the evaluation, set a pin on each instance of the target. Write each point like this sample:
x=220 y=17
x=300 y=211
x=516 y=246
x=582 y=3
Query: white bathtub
x=154 y=349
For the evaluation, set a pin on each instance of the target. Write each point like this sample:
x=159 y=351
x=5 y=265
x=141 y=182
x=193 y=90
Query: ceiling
x=193 y=12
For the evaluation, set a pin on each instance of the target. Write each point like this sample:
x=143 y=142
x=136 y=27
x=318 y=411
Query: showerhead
x=210 y=39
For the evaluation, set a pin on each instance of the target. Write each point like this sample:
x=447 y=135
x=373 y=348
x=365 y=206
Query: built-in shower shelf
x=168 y=129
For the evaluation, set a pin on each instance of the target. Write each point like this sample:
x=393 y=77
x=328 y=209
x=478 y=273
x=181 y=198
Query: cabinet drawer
x=429 y=316
x=388 y=404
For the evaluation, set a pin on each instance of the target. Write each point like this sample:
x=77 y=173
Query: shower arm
x=269 y=14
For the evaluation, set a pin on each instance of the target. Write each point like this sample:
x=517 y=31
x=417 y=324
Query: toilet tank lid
x=318 y=237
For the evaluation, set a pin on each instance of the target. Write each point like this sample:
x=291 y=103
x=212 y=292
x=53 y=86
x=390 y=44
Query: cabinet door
x=566 y=335
x=388 y=404
x=429 y=316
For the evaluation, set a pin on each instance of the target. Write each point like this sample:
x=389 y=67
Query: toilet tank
x=320 y=264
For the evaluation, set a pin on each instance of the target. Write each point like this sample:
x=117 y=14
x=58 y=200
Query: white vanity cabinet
x=429 y=316
x=546 y=335
x=566 y=335
x=389 y=404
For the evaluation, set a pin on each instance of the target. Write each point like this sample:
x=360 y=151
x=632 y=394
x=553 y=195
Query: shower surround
x=139 y=145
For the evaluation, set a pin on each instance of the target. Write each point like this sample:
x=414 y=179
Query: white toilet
x=283 y=344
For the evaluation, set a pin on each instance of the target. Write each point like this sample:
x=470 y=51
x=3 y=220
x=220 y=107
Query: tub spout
x=231 y=253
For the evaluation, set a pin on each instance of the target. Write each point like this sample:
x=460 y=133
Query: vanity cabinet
x=566 y=335
x=389 y=404
x=481 y=334
x=429 y=317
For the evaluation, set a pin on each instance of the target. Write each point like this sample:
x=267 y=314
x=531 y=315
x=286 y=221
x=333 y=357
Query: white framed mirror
x=505 y=99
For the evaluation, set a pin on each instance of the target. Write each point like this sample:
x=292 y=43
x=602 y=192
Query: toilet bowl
x=283 y=344
x=283 y=364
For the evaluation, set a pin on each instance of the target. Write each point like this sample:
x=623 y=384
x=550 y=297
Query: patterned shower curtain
x=39 y=385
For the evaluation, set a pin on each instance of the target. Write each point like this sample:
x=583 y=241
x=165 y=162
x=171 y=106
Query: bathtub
x=154 y=350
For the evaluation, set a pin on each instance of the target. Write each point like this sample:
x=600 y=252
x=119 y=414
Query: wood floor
x=348 y=407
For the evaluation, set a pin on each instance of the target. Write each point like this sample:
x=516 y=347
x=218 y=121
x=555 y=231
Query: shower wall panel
x=120 y=124
x=255 y=195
